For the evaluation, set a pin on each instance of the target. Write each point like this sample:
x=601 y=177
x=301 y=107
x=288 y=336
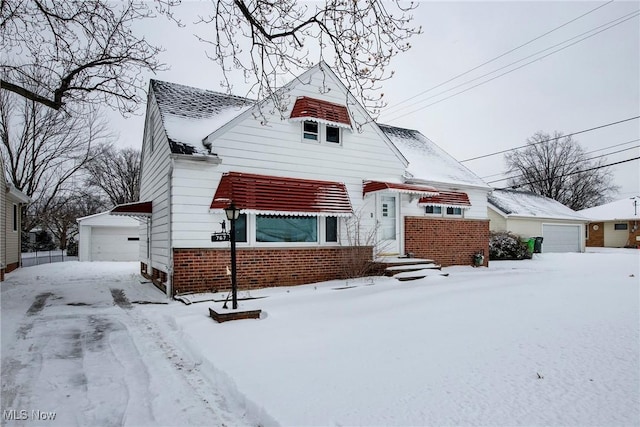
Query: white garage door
x=561 y=238
x=114 y=244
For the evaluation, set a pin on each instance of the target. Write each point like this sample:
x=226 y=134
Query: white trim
x=321 y=121
x=286 y=213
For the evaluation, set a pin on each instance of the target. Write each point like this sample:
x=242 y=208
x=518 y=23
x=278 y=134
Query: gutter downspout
x=169 y=237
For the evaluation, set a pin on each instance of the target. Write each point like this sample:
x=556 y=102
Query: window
x=310 y=130
x=331 y=229
x=433 y=210
x=454 y=211
x=241 y=228
x=620 y=226
x=272 y=228
x=133 y=239
x=15 y=217
x=333 y=134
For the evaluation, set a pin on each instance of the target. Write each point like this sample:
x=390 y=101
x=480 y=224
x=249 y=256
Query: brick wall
x=204 y=270
x=447 y=241
x=633 y=234
x=596 y=237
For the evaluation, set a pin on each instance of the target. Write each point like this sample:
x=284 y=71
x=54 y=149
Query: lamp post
x=233 y=213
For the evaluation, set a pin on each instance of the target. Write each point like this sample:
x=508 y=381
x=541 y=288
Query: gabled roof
x=266 y=194
x=429 y=162
x=306 y=108
x=190 y=114
x=511 y=203
x=624 y=209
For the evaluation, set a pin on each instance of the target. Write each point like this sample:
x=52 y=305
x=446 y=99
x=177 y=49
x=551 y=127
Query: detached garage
x=529 y=215
x=105 y=237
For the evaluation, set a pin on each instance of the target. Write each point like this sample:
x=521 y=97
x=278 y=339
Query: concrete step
x=422 y=266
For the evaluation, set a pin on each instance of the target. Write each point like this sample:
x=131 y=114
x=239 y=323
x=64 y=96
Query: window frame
x=438 y=214
x=322 y=134
x=326 y=135
x=306 y=132
x=620 y=226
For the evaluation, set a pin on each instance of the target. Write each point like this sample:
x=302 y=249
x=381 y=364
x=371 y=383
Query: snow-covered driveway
x=77 y=348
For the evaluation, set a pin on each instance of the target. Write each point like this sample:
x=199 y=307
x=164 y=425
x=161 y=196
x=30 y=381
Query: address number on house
x=220 y=237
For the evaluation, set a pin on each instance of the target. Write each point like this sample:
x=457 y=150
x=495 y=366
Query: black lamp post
x=233 y=213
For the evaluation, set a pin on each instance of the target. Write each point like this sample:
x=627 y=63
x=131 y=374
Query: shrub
x=506 y=245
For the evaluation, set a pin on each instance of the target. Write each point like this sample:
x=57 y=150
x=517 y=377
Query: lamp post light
x=233 y=213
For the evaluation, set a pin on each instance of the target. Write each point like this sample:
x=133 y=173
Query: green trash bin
x=531 y=243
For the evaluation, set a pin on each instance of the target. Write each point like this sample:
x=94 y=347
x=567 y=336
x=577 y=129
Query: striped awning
x=320 y=111
x=136 y=209
x=420 y=190
x=274 y=195
x=447 y=199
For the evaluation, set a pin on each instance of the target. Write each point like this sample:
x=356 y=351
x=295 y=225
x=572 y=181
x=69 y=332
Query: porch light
x=233 y=213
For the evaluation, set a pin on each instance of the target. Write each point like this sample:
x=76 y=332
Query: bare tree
x=266 y=40
x=60 y=218
x=45 y=150
x=557 y=167
x=58 y=51
x=116 y=172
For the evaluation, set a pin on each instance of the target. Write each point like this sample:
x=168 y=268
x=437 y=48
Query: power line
x=574 y=173
x=568 y=164
x=501 y=55
x=551 y=139
x=635 y=14
x=588 y=152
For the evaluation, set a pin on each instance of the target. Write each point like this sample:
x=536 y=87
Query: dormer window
x=333 y=134
x=310 y=130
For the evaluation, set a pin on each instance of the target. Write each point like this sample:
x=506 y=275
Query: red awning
x=447 y=199
x=133 y=209
x=422 y=190
x=317 y=110
x=264 y=194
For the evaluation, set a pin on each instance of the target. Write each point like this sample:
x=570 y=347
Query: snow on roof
x=624 y=209
x=429 y=162
x=190 y=114
x=525 y=204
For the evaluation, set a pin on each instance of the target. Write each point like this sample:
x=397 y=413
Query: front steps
x=405 y=269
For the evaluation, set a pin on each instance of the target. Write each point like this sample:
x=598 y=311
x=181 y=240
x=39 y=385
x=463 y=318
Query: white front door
x=388 y=241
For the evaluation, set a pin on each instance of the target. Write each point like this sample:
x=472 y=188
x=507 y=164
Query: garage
x=105 y=237
x=561 y=238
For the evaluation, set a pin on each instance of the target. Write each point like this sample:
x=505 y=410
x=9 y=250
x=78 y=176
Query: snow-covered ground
x=549 y=341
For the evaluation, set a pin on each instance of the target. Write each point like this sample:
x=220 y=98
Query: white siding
x=278 y=149
x=154 y=185
x=616 y=238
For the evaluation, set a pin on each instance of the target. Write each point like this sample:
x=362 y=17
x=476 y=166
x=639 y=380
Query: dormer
x=322 y=121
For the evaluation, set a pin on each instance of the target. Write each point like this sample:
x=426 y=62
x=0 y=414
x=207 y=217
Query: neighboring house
x=322 y=187
x=104 y=237
x=615 y=224
x=11 y=201
x=530 y=215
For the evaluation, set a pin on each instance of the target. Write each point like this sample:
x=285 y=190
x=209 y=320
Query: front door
x=388 y=242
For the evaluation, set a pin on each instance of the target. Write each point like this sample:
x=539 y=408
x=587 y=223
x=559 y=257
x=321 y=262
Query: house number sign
x=220 y=237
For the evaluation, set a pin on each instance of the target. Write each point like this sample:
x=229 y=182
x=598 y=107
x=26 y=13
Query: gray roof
x=186 y=107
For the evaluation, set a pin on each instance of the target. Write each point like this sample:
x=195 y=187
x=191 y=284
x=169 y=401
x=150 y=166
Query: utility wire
x=621 y=19
x=391 y=107
x=507 y=72
x=588 y=152
x=550 y=139
x=572 y=173
x=568 y=164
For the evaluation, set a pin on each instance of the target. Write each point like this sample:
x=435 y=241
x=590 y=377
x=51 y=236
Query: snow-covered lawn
x=550 y=341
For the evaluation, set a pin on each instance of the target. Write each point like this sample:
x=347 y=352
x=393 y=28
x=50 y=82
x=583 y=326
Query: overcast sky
x=591 y=83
